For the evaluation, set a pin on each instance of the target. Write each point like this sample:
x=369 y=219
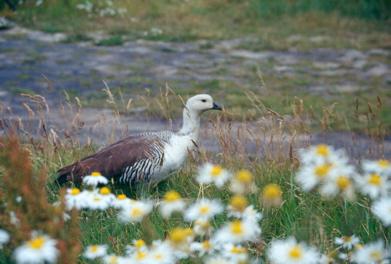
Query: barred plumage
x=146 y=157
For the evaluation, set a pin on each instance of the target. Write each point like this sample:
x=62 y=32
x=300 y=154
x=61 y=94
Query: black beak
x=216 y=107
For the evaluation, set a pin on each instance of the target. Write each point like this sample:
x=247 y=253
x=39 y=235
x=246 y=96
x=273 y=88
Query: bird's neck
x=191 y=124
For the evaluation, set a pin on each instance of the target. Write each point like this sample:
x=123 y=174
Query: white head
x=201 y=103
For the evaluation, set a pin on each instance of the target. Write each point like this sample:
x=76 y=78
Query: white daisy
x=371 y=253
x=161 y=253
x=339 y=183
x=309 y=176
x=74 y=198
x=95 y=179
x=235 y=253
x=243 y=182
x=237 y=205
x=218 y=260
x=321 y=154
x=377 y=166
x=4 y=238
x=344 y=256
x=272 y=195
x=289 y=251
x=203 y=209
x=113 y=259
x=139 y=257
x=325 y=259
x=382 y=209
x=137 y=245
x=209 y=173
x=135 y=212
x=180 y=239
x=373 y=185
x=202 y=248
x=347 y=242
x=95 y=251
x=251 y=215
x=202 y=227
x=237 y=231
x=97 y=201
x=39 y=249
x=121 y=201
x=172 y=202
x=238 y=208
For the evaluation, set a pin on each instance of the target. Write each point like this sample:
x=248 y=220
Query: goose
x=148 y=157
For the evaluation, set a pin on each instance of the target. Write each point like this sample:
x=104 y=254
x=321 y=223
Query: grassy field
x=307 y=216
x=28 y=168
x=352 y=25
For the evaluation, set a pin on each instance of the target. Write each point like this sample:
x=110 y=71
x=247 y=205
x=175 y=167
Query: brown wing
x=111 y=160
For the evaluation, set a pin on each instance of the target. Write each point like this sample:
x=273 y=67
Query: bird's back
x=132 y=159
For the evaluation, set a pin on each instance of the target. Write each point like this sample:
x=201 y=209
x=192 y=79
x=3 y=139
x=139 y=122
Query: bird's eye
x=203 y=100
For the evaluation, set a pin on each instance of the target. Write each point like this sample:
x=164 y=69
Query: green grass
x=111 y=41
x=367 y=9
x=365 y=21
x=306 y=216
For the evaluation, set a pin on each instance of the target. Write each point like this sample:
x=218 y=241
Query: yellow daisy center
x=375 y=179
x=272 y=191
x=37 y=243
x=139 y=243
x=376 y=255
x=322 y=150
x=140 y=255
x=236 y=227
x=74 y=191
x=172 y=196
x=238 y=250
x=94 y=248
x=179 y=235
x=121 y=196
x=96 y=174
x=295 y=253
x=113 y=260
x=383 y=163
x=322 y=170
x=158 y=256
x=343 y=182
x=104 y=191
x=347 y=239
x=136 y=212
x=238 y=203
x=358 y=246
x=204 y=209
x=244 y=176
x=216 y=170
x=206 y=245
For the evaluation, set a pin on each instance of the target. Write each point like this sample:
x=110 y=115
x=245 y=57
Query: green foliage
x=111 y=41
x=367 y=9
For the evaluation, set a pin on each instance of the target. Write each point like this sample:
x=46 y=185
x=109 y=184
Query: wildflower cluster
x=199 y=240
x=202 y=239
x=329 y=171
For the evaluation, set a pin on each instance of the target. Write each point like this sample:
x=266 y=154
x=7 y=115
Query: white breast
x=175 y=152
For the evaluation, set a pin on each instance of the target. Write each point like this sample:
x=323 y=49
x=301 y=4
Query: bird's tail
x=68 y=173
x=61 y=179
x=62 y=176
